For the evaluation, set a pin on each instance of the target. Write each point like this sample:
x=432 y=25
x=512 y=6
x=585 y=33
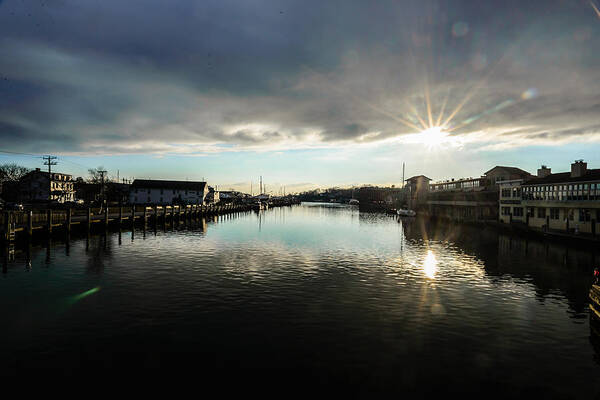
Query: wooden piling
x=49 y=221
x=69 y=220
x=30 y=223
x=6 y=233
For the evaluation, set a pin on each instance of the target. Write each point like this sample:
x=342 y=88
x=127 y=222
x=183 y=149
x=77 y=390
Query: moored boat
x=406 y=213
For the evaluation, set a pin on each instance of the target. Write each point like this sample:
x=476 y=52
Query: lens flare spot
x=76 y=298
x=529 y=94
x=460 y=29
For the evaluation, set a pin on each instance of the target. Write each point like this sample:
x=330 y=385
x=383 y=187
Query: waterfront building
x=510 y=202
x=417 y=190
x=150 y=191
x=38 y=185
x=471 y=199
x=566 y=202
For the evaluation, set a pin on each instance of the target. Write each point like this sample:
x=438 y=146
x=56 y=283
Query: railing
x=31 y=220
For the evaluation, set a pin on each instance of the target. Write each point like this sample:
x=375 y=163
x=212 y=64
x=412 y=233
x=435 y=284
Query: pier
x=45 y=221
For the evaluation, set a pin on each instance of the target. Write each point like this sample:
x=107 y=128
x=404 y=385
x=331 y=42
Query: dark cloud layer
x=170 y=76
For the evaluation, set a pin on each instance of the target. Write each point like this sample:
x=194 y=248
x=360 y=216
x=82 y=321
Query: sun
x=430 y=137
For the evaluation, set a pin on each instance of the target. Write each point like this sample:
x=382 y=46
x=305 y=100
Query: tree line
x=12 y=172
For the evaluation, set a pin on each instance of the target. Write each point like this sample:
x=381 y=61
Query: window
x=518 y=211
x=506 y=192
x=541 y=212
x=516 y=192
x=505 y=210
x=554 y=213
x=584 y=215
x=530 y=211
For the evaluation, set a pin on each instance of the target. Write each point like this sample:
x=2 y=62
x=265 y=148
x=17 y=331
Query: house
x=418 y=190
x=40 y=185
x=150 y=191
x=566 y=201
x=501 y=173
x=472 y=199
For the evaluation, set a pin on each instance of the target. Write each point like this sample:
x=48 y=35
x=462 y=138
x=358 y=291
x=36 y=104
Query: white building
x=511 y=207
x=150 y=191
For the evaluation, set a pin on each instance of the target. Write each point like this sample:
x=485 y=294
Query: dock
x=46 y=221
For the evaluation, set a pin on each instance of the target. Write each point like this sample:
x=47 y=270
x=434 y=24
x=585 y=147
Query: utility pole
x=102 y=191
x=49 y=161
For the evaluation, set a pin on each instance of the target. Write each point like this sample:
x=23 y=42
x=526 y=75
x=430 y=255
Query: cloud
x=198 y=78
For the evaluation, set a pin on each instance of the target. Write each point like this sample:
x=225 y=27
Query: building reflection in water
x=595 y=337
x=550 y=266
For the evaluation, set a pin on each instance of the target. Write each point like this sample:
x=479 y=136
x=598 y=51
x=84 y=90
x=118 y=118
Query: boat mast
x=402 y=174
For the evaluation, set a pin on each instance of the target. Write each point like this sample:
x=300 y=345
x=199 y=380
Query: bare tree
x=96 y=175
x=12 y=172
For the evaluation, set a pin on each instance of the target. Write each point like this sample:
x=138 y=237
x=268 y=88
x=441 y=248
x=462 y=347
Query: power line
x=18 y=153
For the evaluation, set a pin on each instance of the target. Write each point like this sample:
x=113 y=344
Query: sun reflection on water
x=430 y=265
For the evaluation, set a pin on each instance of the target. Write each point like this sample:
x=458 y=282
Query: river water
x=310 y=297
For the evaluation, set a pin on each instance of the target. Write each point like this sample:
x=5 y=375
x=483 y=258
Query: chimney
x=578 y=168
x=544 y=172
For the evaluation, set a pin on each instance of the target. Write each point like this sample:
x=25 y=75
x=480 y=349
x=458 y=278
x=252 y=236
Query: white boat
x=406 y=213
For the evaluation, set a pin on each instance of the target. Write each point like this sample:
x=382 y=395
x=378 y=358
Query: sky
x=303 y=93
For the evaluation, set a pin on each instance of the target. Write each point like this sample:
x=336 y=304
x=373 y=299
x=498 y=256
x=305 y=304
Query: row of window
x=581 y=192
x=512 y=192
x=455 y=185
x=584 y=214
x=162 y=191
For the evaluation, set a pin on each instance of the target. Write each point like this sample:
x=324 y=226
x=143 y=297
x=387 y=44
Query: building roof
x=512 y=170
x=159 y=184
x=38 y=171
x=564 y=177
x=417 y=177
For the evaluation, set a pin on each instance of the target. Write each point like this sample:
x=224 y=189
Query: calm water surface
x=310 y=297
